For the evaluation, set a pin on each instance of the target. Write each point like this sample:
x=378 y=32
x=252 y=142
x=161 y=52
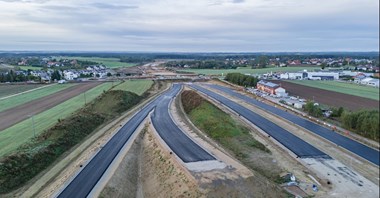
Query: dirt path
x=330 y=97
x=21 y=112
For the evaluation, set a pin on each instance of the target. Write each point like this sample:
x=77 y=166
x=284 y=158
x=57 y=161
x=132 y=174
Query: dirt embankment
x=149 y=170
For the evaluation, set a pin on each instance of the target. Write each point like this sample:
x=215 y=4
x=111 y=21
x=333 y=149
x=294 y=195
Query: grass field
x=136 y=86
x=246 y=70
x=27 y=97
x=7 y=90
x=11 y=138
x=109 y=62
x=342 y=87
x=23 y=131
x=29 y=67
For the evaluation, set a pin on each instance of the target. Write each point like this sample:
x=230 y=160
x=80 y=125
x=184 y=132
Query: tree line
x=242 y=80
x=363 y=122
x=12 y=76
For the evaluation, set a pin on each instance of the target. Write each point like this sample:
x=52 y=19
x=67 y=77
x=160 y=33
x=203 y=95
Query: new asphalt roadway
x=299 y=147
x=183 y=146
x=355 y=147
x=179 y=142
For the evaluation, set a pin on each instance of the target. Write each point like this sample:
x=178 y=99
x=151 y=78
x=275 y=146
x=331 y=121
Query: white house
x=69 y=75
x=281 y=92
x=370 y=81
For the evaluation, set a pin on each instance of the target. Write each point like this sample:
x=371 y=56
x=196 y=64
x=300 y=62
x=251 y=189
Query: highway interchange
x=188 y=151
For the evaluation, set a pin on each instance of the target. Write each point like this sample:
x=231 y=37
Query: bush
x=241 y=79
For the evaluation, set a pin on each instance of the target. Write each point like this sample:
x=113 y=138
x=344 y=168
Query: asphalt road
x=85 y=181
x=353 y=146
x=299 y=147
x=187 y=150
x=179 y=142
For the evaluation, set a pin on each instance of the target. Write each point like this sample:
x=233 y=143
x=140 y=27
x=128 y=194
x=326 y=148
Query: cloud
x=170 y=25
x=25 y=1
x=112 y=6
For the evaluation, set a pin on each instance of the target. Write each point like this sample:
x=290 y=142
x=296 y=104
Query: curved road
x=187 y=150
x=353 y=146
x=299 y=147
x=180 y=143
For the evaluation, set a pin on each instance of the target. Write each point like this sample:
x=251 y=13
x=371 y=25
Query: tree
x=56 y=75
x=262 y=61
x=109 y=74
x=323 y=65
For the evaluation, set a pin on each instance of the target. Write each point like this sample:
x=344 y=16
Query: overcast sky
x=190 y=25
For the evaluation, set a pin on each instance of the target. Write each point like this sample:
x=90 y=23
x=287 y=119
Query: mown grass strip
x=33 y=95
x=342 y=87
x=135 y=86
x=12 y=137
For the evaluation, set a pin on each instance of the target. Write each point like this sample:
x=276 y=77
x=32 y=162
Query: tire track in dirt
x=19 y=113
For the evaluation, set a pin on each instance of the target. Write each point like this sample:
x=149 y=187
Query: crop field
x=109 y=62
x=29 y=96
x=136 y=86
x=246 y=70
x=330 y=98
x=7 y=90
x=12 y=137
x=342 y=87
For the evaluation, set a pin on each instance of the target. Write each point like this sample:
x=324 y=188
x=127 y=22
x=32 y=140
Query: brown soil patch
x=330 y=98
x=21 y=112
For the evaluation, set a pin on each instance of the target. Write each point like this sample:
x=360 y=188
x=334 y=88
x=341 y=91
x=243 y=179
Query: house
x=271 y=88
x=370 y=81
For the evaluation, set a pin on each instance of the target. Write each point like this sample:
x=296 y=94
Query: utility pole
x=34 y=128
x=84 y=94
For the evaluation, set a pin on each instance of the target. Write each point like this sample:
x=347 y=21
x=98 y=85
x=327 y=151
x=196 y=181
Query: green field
x=109 y=62
x=29 y=67
x=342 y=87
x=7 y=90
x=136 y=86
x=29 y=96
x=11 y=138
x=246 y=70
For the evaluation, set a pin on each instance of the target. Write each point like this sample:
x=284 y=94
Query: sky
x=190 y=25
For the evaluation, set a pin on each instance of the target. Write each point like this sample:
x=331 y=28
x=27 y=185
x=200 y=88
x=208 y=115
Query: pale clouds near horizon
x=190 y=26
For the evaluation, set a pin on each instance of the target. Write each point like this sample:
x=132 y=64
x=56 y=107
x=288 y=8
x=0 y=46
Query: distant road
x=298 y=146
x=19 y=113
x=355 y=147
